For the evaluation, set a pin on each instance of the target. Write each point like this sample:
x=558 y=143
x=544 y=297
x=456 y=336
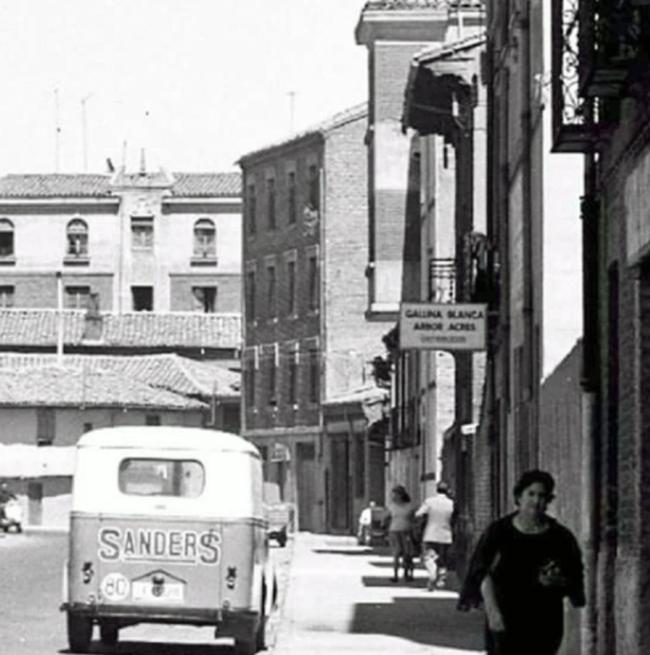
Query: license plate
x=150 y=592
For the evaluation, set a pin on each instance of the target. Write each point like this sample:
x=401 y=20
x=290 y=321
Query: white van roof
x=165 y=437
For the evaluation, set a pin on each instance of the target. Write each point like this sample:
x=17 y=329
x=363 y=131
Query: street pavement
x=31 y=624
x=340 y=600
x=335 y=597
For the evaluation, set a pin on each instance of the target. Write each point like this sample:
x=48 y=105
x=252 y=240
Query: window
x=183 y=478
x=205 y=299
x=77 y=297
x=251 y=209
x=7 y=296
x=142 y=298
x=291 y=288
x=314 y=377
x=250 y=385
x=313 y=283
x=77 y=238
x=6 y=238
x=293 y=379
x=142 y=232
x=291 y=196
x=273 y=375
x=205 y=238
x=270 y=202
x=45 y=426
x=271 y=292
x=251 y=292
x=152 y=419
x=314 y=188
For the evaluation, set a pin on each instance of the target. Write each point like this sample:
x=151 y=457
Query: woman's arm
x=492 y=611
x=480 y=565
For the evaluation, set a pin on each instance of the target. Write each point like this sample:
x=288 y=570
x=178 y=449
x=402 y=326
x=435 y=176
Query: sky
x=198 y=83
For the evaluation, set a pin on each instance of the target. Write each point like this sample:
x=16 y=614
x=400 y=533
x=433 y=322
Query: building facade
x=600 y=99
x=306 y=339
x=420 y=209
x=147 y=241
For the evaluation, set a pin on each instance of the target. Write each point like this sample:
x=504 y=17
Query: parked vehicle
x=11 y=516
x=167 y=526
x=372 y=526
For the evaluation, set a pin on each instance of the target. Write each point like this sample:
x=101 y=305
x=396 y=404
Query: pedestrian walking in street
x=523 y=566
x=438 y=514
x=400 y=515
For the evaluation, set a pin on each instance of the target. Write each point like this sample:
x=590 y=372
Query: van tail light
x=231 y=577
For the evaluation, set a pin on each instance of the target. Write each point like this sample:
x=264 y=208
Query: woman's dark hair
x=400 y=491
x=531 y=477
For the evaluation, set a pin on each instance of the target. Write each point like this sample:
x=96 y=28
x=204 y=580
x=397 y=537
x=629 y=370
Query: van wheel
x=245 y=646
x=109 y=633
x=260 y=634
x=80 y=631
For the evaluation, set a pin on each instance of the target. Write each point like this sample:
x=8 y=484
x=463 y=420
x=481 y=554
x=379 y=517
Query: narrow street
x=337 y=598
x=340 y=599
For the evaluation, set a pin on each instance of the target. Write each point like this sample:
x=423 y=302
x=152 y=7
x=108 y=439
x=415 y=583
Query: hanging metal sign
x=442 y=326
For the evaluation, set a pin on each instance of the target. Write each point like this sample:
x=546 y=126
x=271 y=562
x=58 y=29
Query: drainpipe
x=591 y=435
x=531 y=383
x=59 y=318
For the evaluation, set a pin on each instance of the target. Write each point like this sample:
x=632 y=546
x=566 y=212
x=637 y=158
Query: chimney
x=93 y=321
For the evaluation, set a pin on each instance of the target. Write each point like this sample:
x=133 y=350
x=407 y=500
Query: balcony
x=613 y=46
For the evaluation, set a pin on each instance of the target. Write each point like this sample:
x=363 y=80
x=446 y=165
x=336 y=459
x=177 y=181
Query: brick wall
x=228 y=292
x=276 y=247
x=39 y=290
x=351 y=341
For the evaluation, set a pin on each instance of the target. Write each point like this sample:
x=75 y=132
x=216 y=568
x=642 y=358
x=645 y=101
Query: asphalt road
x=30 y=595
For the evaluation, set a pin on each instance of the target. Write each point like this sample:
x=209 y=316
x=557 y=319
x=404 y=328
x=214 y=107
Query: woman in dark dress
x=522 y=568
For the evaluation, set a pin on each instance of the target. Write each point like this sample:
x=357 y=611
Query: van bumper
x=178 y=615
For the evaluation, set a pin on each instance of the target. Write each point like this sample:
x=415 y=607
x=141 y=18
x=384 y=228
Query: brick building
x=306 y=339
x=142 y=241
x=600 y=100
x=416 y=186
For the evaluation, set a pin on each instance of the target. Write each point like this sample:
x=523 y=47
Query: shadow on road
x=385 y=581
x=430 y=621
x=343 y=551
x=156 y=648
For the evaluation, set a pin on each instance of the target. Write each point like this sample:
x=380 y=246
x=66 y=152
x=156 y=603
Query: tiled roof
x=54 y=185
x=83 y=185
x=333 y=122
x=53 y=386
x=432 y=54
x=38 y=327
x=180 y=375
x=207 y=184
x=387 y=5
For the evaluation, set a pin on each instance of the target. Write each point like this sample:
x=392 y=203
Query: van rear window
x=161 y=477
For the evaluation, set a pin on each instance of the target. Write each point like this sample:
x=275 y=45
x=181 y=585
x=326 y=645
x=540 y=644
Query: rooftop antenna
x=292 y=109
x=124 y=145
x=57 y=132
x=84 y=131
x=143 y=163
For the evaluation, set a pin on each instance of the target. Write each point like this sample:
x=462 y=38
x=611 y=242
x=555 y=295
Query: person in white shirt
x=438 y=534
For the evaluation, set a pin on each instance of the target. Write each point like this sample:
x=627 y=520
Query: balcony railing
x=442 y=280
x=571 y=129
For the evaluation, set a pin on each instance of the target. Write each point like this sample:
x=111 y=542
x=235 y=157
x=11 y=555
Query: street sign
x=442 y=326
x=280 y=453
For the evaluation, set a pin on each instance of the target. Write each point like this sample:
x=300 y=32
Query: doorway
x=306 y=482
